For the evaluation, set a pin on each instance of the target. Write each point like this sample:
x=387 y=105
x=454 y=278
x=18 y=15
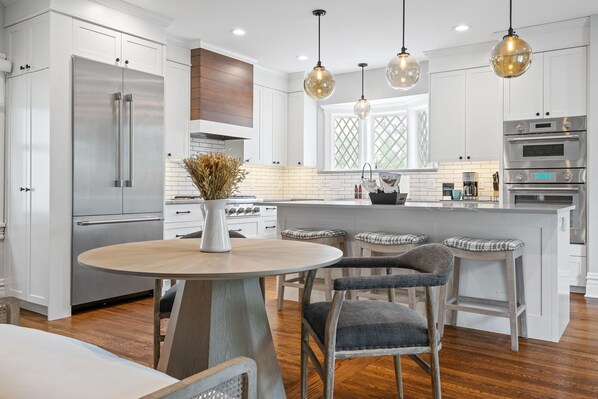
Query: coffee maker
x=470 y=185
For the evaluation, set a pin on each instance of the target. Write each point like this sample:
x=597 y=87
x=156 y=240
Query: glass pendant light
x=362 y=107
x=512 y=56
x=402 y=71
x=319 y=83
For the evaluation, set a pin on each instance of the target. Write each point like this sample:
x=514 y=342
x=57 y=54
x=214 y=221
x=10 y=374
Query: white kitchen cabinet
x=268 y=228
x=249 y=227
x=578 y=267
x=302 y=141
x=553 y=86
x=269 y=147
x=465 y=115
x=113 y=47
x=27 y=230
x=182 y=219
x=177 y=81
x=28 y=45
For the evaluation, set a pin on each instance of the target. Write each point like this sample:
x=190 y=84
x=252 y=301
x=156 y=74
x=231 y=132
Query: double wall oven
x=545 y=162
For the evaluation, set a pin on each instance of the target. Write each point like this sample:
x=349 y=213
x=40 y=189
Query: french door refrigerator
x=118 y=171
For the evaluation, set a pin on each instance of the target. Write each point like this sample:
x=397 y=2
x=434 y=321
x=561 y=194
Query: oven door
x=548 y=150
x=565 y=194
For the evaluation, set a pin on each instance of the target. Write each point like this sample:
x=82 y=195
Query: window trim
x=408 y=105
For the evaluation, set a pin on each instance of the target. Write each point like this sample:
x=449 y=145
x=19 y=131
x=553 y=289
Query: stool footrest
x=454 y=303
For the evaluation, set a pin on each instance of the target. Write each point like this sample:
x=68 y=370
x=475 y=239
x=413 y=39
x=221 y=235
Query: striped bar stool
x=379 y=243
x=334 y=238
x=509 y=250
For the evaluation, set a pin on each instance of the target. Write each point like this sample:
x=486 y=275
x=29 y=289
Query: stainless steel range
x=545 y=162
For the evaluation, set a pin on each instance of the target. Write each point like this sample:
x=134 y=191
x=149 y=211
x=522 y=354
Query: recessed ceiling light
x=237 y=32
x=461 y=28
x=302 y=57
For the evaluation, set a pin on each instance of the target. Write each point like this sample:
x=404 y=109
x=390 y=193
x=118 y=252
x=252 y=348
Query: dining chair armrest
x=388 y=281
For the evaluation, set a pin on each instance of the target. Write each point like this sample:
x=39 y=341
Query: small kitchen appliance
x=470 y=185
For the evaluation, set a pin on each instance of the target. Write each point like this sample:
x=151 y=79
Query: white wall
x=2 y=108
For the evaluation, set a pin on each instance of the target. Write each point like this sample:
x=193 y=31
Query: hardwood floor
x=474 y=364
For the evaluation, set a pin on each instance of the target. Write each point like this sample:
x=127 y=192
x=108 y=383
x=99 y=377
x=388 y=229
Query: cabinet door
x=96 y=43
x=447 y=116
x=252 y=147
x=17 y=161
x=483 y=115
x=267 y=126
x=295 y=130
x=177 y=78
x=280 y=127
x=40 y=187
x=38 y=50
x=17 y=39
x=142 y=55
x=565 y=82
x=524 y=96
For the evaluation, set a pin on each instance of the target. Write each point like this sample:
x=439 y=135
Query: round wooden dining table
x=219 y=311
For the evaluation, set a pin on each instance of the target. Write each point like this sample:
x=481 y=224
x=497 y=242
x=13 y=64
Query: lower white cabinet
x=28 y=193
x=578 y=267
x=249 y=227
x=269 y=228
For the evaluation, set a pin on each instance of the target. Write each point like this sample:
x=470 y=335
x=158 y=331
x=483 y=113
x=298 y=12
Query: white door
x=447 y=116
x=295 y=129
x=267 y=126
x=97 y=43
x=16 y=47
x=142 y=55
x=177 y=78
x=483 y=115
x=252 y=146
x=565 y=82
x=17 y=162
x=280 y=127
x=39 y=178
x=524 y=95
x=38 y=49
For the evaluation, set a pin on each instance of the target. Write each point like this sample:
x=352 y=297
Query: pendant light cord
x=511 y=31
x=319 y=62
x=362 y=72
x=403 y=49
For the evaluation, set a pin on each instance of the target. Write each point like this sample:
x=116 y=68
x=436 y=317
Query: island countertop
x=463 y=206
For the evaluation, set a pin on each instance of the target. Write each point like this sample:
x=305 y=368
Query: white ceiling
x=353 y=31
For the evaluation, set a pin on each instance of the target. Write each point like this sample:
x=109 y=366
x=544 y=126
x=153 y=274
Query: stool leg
x=512 y=301
x=281 y=279
x=441 y=309
x=456 y=275
x=398 y=375
x=521 y=294
x=302 y=284
x=328 y=284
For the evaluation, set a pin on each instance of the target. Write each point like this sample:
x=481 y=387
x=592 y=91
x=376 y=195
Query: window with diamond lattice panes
x=390 y=141
x=346 y=142
x=423 y=138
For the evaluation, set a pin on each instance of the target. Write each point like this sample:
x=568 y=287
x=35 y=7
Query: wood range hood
x=221 y=96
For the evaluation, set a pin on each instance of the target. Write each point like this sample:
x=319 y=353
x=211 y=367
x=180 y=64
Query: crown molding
x=133 y=10
x=205 y=45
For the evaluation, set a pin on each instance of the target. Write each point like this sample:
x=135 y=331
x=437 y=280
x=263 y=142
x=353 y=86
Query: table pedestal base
x=214 y=321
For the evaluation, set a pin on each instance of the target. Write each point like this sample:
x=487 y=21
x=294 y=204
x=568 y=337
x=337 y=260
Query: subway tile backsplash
x=266 y=181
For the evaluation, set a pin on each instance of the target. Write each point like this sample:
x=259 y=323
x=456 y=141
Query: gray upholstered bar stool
x=335 y=238
x=380 y=243
x=479 y=249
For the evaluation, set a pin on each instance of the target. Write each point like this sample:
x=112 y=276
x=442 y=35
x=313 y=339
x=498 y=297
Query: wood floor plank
x=474 y=364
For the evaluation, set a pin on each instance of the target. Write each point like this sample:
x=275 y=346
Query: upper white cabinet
x=554 y=86
x=269 y=147
x=113 y=47
x=465 y=115
x=301 y=147
x=177 y=83
x=28 y=45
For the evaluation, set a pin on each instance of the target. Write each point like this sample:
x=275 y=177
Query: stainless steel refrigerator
x=118 y=171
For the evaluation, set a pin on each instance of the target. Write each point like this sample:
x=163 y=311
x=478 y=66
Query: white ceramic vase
x=215 y=236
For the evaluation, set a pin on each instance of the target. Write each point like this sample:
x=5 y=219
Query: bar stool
x=509 y=250
x=389 y=243
x=334 y=238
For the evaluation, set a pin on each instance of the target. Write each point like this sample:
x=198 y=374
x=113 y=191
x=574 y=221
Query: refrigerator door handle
x=116 y=221
x=119 y=178
x=129 y=100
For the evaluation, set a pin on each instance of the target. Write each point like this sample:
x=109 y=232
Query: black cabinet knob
x=299 y=163
x=247 y=160
x=126 y=62
x=468 y=157
x=169 y=154
x=548 y=113
x=274 y=162
x=27 y=66
x=22 y=68
x=117 y=59
x=460 y=157
x=22 y=189
x=537 y=114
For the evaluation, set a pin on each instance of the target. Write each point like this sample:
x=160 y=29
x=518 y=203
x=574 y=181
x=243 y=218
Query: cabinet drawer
x=248 y=228
x=268 y=210
x=179 y=231
x=269 y=228
x=182 y=213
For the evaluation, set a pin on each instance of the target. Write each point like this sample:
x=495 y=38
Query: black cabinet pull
x=270 y=208
x=468 y=157
x=182 y=212
x=22 y=68
x=537 y=114
x=460 y=157
x=548 y=113
x=27 y=66
x=180 y=235
x=270 y=227
x=126 y=62
x=22 y=189
x=118 y=60
x=238 y=230
x=247 y=160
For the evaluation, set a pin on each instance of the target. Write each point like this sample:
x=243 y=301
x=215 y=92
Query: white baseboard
x=592 y=285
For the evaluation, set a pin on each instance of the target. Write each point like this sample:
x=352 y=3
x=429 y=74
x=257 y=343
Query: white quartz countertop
x=463 y=206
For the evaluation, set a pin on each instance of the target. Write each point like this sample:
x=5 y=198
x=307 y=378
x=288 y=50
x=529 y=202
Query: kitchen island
x=543 y=228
